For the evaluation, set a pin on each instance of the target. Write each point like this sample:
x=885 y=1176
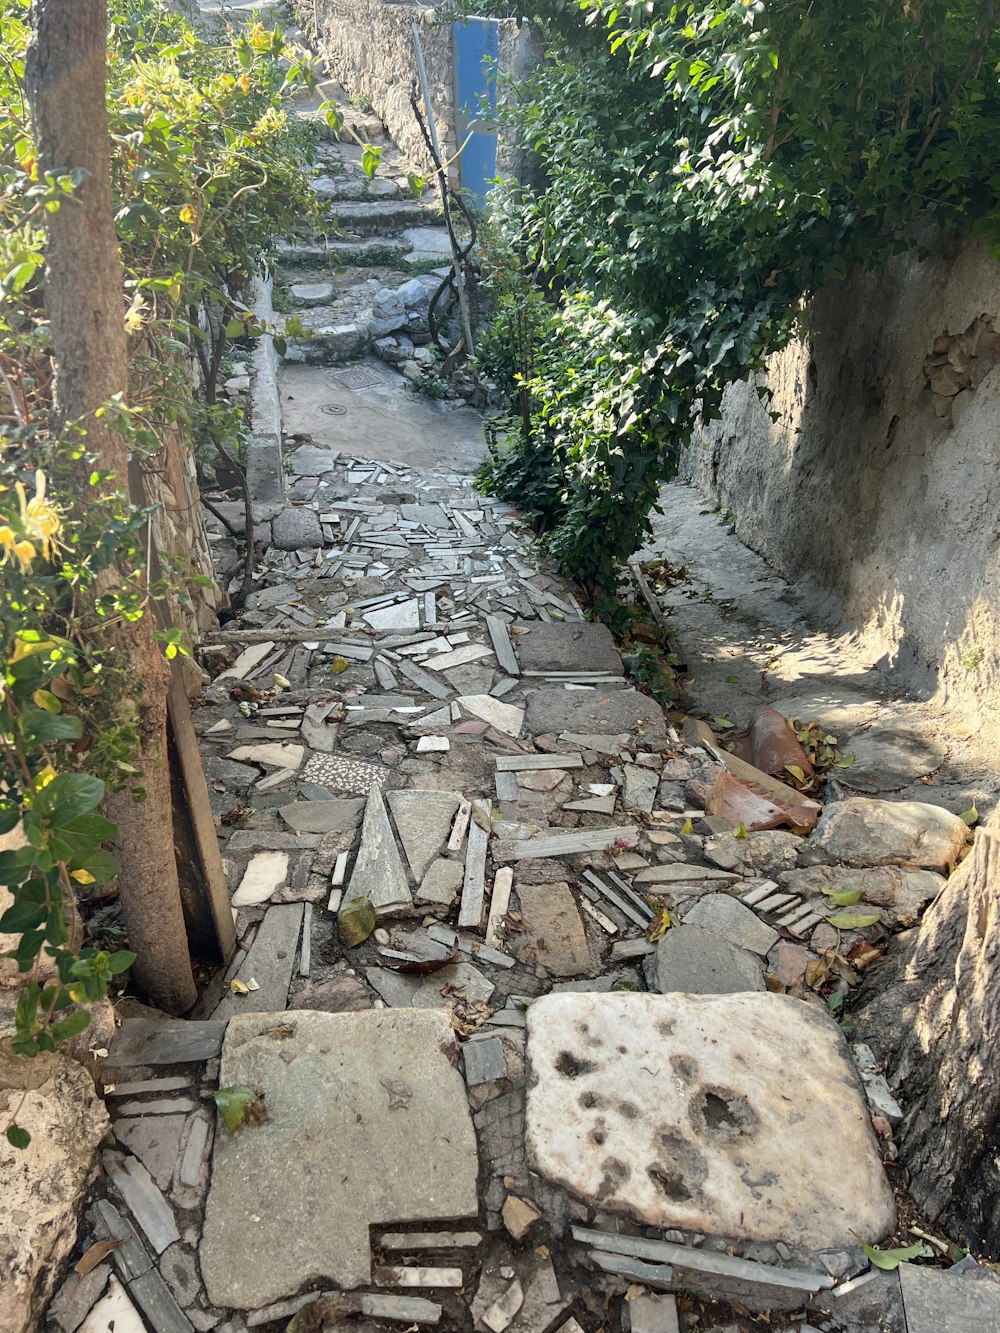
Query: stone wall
x=368 y=47
x=879 y=481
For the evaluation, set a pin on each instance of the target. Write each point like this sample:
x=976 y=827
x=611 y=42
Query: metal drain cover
x=333 y=409
x=359 y=377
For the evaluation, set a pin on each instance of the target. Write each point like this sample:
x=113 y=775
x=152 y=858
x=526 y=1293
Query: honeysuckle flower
x=40 y=521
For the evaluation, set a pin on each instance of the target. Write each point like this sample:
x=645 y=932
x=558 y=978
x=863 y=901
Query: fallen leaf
x=797 y=773
x=239 y=1105
x=98 y=1251
x=891 y=1259
x=658 y=927
x=970 y=816
x=253 y=985
x=863 y=954
x=239 y=987
x=843 y=897
x=854 y=920
x=338 y=664
x=687 y=827
x=282 y=682
x=740 y=831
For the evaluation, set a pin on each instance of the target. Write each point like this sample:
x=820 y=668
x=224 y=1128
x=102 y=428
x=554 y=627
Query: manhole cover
x=333 y=409
x=359 y=377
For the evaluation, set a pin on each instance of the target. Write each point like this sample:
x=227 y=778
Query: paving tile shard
x=378 y=873
x=554 y=925
x=265 y=873
x=507 y=718
x=269 y=963
x=699 y=962
x=145 y=1202
x=279 y=756
x=727 y=917
x=390 y=1140
x=677 y=1110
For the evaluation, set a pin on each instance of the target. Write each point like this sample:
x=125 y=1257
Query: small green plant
x=972 y=658
x=361 y=103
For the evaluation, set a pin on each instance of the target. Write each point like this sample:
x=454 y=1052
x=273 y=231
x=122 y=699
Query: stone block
x=699 y=962
x=863 y=832
x=296 y=529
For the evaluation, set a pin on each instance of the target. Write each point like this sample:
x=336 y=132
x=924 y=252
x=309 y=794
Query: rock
x=541 y=780
x=155 y=1140
x=355 y=922
x=441 y=883
x=791 y=961
x=342 y=995
x=700 y=962
x=266 y=872
x=113 y=1311
x=416 y=992
x=900 y=892
x=888 y=758
x=378 y=873
x=423 y=820
x=863 y=832
x=737 y=1116
x=594 y=711
x=43 y=1184
x=519 y=1216
x=310 y=461
x=296 y=529
x=76 y=1297
x=390 y=1139
x=312 y=293
x=570 y=646
x=727 y=917
x=937 y=1302
x=328 y=816
x=553 y=922
x=389 y=306
x=763 y=853
x=639 y=790
x=507 y=718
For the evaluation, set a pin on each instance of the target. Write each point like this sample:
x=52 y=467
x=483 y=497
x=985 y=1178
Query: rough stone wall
x=368 y=46
x=879 y=481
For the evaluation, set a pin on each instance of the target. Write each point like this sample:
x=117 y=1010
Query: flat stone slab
x=939 y=1302
x=570 y=646
x=739 y=1116
x=423 y=820
x=594 y=712
x=322 y=816
x=269 y=963
x=699 y=962
x=888 y=758
x=725 y=916
x=553 y=922
x=368 y=1123
x=863 y=832
x=378 y=871
x=265 y=872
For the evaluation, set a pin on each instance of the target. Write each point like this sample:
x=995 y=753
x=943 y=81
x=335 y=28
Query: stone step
x=383 y=217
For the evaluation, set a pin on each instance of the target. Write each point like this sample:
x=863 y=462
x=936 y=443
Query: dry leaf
x=98 y=1251
x=239 y=987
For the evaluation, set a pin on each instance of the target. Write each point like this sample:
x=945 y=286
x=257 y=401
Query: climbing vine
x=704 y=169
x=206 y=172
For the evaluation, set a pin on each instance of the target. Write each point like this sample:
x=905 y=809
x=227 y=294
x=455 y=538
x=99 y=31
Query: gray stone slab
x=76 y=1296
x=888 y=758
x=149 y=1041
x=270 y=963
x=378 y=873
x=594 y=711
x=296 y=529
x=556 y=930
x=130 y=1258
x=699 y=962
x=147 y=1205
x=441 y=883
x=697 y=1125
x=484 y=1061
x=640 y=788
x=425 y=681
x=937 y=1302
x=368 y=1123
x=155 y=1141
x=728 y=917
x=570 y=646
x=654 y=1314
x=400 y=1309
x=424 y=992
x=423 y=821
x=474 y=884
x=547 y=845
x=307 y=460
x=161 y=1311
x=326 y=816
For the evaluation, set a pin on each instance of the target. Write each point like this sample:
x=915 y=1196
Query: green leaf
x=235 y=327
x=891 y=1259
x=20 y=917
x=71 y=1026
x=843 y=897
x=370 y=158
x=232 y=1104
x=970 y=816
x=854 y=920
x=40 y=725
x=740 y=831
x=120 y=962
x=69 y=796
x=18 y=1137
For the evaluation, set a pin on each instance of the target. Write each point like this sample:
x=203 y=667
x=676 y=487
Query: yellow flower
x=189 y=214
x=40 y=521
x=134 y=314
x=22 y=551
x=244 y=83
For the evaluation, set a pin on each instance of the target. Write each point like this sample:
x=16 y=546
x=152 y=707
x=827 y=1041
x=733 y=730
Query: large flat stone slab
x=322 y=816
x=570 y=646
x=697 y=961
x=594 y=712
x=738 y=1116
x=862 y=832
x=423 y=820
x=368 y=1123
x=938 y=1302
x=553 y=923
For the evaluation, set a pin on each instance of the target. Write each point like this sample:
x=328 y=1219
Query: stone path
x=450 y=824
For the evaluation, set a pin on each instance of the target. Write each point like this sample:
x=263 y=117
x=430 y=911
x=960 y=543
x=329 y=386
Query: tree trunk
x=65 y=79
x=932 y=1012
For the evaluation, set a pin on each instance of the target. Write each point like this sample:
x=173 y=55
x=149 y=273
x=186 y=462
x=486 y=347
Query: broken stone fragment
x=342 y=995
x=519 y=1216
